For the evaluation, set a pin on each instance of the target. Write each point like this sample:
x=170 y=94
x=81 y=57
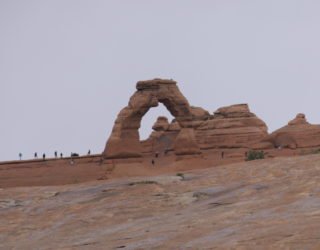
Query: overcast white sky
x=67 y=67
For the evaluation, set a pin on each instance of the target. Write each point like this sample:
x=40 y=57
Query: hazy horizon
x=68 y=67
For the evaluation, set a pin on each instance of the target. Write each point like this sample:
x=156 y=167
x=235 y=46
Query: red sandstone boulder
x=199 y=116
x=161 y=124
x=299 y=133
x=231 y=127
x=299 y=120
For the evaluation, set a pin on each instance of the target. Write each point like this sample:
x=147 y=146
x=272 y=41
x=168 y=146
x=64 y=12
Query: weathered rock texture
x=229 y=127
x=299 y=133
x=124 y=141
x=269 y=204
x=194 y=129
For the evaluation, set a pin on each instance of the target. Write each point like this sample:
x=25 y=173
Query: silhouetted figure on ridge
x=20 y=156
x=61 y=155
x=74 y=155
x=55 y=154
x=89 y=152
x=36 y=155
x=44 y=157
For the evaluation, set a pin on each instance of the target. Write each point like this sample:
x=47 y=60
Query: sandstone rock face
x=199 y=116
x=194 y=129
x=186 y=137
x=231 y=127
x=161 y=124
x=299 y=133
x=124 y=140
x=163 y=136
x=299 y=120
x=174 y=126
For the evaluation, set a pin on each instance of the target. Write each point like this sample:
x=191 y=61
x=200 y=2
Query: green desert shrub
x=146 y=182
x=180 y=175
x=255 y=155
x=316 y=151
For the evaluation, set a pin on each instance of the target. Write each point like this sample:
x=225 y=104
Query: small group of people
x=156 y=155
x=55 y=155
x=44 y=155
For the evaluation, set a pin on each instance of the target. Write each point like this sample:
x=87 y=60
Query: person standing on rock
x=36 y=155
x=55 y=154
x=44 y=157
x=89 y=152
x=61 y=155
x=20 y=156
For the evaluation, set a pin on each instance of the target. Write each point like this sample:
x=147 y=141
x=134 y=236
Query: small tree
x=254 y=155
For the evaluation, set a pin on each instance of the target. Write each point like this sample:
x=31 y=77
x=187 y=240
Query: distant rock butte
x=194 y=130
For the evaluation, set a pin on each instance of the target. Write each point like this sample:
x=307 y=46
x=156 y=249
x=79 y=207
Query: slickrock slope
x=268 y=204
x=299 y=133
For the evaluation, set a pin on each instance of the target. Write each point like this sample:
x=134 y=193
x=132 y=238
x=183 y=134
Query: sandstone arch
x=124 y=141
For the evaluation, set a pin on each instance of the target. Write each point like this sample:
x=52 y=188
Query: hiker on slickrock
x=55 y=154
x=44 y=157
x=36 y=155
x=20 y=156
x=89 y=152
x=61 y=155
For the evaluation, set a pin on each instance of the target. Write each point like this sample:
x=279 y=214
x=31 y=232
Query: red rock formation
x=231 y=127
x=161 y=124
x=195 y=130
x=299 y=133
x=124 y=140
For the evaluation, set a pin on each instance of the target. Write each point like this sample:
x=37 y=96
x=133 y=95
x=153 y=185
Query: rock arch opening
x=124 y=141
x=150 y=119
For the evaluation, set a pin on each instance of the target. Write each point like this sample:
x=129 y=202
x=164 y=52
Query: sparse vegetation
x=142 y=183
x=308 y=152
x=254 y=155
x=180 y=175
x=316 y=151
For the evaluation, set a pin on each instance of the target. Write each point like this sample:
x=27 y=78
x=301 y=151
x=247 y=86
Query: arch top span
x=124 y=141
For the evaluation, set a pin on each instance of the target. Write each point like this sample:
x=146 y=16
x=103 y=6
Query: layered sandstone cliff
x=229 y=127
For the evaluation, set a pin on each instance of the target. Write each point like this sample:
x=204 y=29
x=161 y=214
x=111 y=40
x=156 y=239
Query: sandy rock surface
x=268 y=204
